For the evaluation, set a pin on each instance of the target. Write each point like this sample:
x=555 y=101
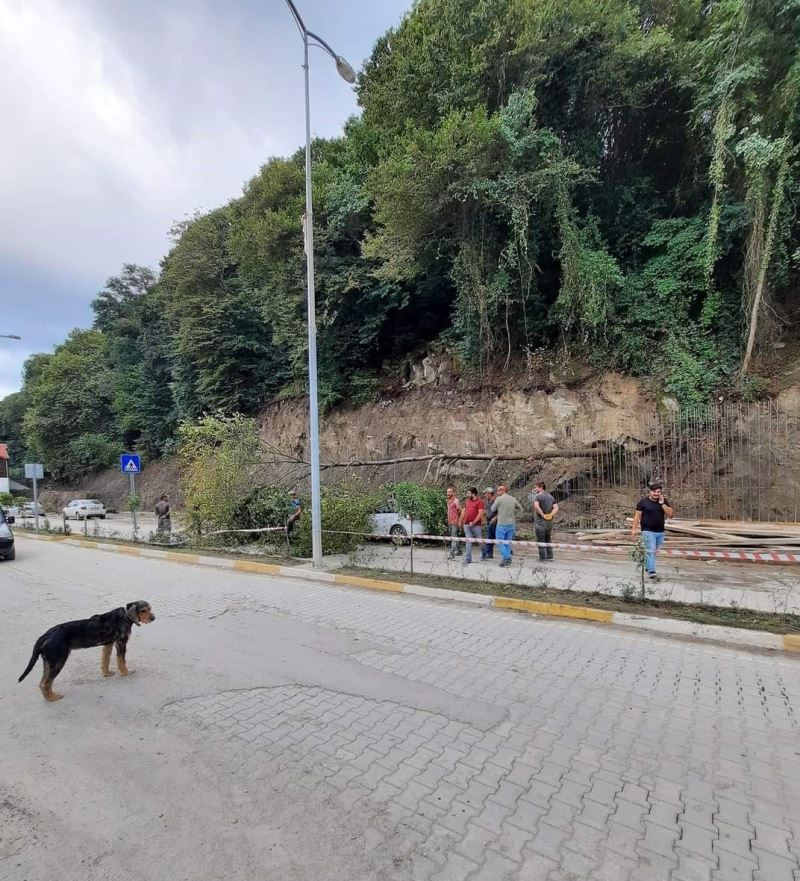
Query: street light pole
x=313 y=399
x=348 y=74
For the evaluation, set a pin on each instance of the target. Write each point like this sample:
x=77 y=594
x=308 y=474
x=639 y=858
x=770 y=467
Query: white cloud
x=91 y=171
x=10 y=361
x=121 y=117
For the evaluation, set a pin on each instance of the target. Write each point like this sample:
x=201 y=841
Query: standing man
x=472 y=521
x=295 y=513
x=507 y=509
x=453 y=519
x=487 y=551
x=163 y=514
x=649 y=516
x=545 y=509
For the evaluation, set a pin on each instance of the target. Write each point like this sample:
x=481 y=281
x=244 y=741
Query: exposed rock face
x=434 y=418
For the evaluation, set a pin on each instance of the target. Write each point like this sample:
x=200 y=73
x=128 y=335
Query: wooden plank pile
x=699 y=534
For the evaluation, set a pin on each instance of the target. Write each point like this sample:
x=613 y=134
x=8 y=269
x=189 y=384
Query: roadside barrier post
x=411 y=543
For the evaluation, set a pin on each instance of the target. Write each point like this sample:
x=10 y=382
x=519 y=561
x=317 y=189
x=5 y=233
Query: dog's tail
x=37 y=648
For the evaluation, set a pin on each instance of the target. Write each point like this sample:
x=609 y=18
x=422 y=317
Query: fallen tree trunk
x=453 y=457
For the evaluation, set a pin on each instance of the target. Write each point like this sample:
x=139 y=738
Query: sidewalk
x=759 y=587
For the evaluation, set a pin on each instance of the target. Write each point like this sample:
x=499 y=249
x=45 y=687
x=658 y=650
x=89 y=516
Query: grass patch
x=718 y=615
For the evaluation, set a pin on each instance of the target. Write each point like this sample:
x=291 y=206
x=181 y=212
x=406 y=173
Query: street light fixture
x=10 y=336
x=347 y=73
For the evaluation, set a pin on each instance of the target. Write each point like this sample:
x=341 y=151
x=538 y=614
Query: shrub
x=343 y=513
x=218 y=455
x=753 y=388
x=425 y=503
x=91 y=452
x=265 y=506
x=6 y=499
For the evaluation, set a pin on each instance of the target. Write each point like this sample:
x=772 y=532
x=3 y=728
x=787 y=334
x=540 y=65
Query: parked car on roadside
x=29 y=509
x=84 y=509
x=388 y=521
x=7 y=549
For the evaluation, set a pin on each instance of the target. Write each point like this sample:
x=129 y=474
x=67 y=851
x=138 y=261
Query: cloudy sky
x=122 y=116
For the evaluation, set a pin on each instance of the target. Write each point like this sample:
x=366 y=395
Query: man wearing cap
x=507 y=509
x=650 y=514
x=545 y=508
x=487 y=552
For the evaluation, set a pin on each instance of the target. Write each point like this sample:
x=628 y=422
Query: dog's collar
x=134 y=618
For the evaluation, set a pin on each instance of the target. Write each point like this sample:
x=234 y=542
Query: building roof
x=3 y=451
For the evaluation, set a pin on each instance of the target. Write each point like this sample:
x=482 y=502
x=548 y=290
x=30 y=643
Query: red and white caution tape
x=747 y=556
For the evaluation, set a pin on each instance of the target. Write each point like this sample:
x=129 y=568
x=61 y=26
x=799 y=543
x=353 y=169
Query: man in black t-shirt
x=650 y=514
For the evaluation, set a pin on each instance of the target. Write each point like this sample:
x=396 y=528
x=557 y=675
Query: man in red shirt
x=453 y=519
x=472 y=520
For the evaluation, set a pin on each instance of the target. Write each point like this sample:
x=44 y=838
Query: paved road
x=114 y=525
x=294 y=730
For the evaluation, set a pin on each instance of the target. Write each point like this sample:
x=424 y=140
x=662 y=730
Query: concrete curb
x=733 y=636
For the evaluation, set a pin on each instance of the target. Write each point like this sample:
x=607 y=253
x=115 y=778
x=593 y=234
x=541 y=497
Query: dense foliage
x=424 y=503
x=226 y=502
x=619 y=177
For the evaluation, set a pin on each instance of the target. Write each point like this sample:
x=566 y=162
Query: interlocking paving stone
x=620 y=756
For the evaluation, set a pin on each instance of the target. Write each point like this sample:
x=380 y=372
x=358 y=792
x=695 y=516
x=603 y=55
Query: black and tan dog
x=111 y=629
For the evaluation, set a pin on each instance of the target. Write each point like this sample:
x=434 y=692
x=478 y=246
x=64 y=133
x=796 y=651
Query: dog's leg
x=122 y=645
x=48 y=675
x=105 y=659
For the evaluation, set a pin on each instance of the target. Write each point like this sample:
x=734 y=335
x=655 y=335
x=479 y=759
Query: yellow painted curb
x=791 y=642
x=85 y=543
x=180 y=558
x=559 y=610
x=373 y=583
x=265 y=568
x=127 y=549
x=564 y=610
x=522 y=605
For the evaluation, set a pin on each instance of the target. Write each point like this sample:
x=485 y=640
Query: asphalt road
x=291 y=730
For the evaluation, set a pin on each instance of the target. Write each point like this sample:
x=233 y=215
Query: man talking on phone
x=649 y=516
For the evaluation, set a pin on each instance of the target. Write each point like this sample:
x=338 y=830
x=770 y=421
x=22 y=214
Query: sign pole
x=131 y=464
x=132 y=476
x=35 y=504
x=35 y=471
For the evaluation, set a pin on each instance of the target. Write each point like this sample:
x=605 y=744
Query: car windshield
x=93 y=502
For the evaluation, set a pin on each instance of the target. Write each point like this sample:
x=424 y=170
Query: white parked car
x=29 y=509
x=387 y=521
x=83 y=509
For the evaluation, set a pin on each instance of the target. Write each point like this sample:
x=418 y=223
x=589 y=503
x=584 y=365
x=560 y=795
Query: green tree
x=70 y=399
x=12 y=412
x=223 y=354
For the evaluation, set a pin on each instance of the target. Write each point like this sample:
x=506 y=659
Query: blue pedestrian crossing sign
x=130 y=463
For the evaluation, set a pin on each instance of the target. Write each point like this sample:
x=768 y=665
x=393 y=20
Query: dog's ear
x=132 y=611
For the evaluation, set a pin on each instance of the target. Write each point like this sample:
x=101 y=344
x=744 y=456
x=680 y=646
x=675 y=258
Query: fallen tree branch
x=450 y=458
